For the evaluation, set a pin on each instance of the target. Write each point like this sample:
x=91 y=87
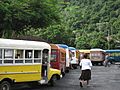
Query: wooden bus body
x=97 y=56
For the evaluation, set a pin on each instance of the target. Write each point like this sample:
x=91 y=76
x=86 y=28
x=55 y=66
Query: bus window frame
x=12 y=60
x=1 y=56
x=18 y=58
x=38 y=57
x=54 y=52
x=6 y=60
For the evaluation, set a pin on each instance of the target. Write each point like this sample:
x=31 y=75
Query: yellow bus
x=25 y=61
x=78 y=55
x=83 y=52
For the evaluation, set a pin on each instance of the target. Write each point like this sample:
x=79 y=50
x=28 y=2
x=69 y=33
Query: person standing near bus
x=106 y=61
x=85 y=65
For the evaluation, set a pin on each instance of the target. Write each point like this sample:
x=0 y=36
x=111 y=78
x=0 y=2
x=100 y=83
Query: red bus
x=58 y=58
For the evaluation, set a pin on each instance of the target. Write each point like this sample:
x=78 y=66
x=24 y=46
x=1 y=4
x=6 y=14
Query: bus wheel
x=5 y=85
x=53 y=80
x=63 y=74
x=67 y=71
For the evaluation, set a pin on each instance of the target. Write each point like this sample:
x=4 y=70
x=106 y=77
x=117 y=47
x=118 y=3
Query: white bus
x=74 y=59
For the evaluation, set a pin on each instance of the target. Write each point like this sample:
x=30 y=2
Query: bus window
x=19 y=61
x=28 y=53
x=37 y=56
x=53 y=58
x=8 y=56
x=53 y=51
x=0 y=53
x=18 y=54
x=8 y=53
x=0 y=61
x=53 y=55
x=62 y=56
x=28 y=56
x=0 y=56
x=73 y=54
x=116 y=54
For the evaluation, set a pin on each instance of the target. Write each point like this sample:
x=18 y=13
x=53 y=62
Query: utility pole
x=108 y=39
x=108 y=35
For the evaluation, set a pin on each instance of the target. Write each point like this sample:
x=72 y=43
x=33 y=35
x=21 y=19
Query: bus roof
x=62 y=50
x=54 y=46
x=96 y=49
x=62 y=45
x=112 y=51
x=23 y=44
x=85 y=51
x=71 y=48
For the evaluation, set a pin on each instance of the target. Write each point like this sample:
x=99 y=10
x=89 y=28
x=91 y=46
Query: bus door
x=45 y=63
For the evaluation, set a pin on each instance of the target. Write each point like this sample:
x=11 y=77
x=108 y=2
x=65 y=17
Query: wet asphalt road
x=103 y=78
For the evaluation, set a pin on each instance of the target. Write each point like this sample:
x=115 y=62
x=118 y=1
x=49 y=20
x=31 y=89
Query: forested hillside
x=83 y=24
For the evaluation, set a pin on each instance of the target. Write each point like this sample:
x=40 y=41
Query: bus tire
x=5 y=85
x=52 y=81
x=101 y=63
x=63 y=74
x=75 y=67
x=67 y=70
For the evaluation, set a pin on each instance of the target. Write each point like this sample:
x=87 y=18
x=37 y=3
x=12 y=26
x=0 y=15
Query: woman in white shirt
x=85 y=65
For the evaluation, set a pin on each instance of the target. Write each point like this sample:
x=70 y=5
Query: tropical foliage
x=83 y=24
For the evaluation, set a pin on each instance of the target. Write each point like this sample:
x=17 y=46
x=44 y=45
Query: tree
x=15 y=15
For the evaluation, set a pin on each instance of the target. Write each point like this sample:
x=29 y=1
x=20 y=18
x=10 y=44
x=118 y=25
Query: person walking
x=85 y=65
x=106 y=61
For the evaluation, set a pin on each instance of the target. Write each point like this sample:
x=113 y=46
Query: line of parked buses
x=36 y=62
